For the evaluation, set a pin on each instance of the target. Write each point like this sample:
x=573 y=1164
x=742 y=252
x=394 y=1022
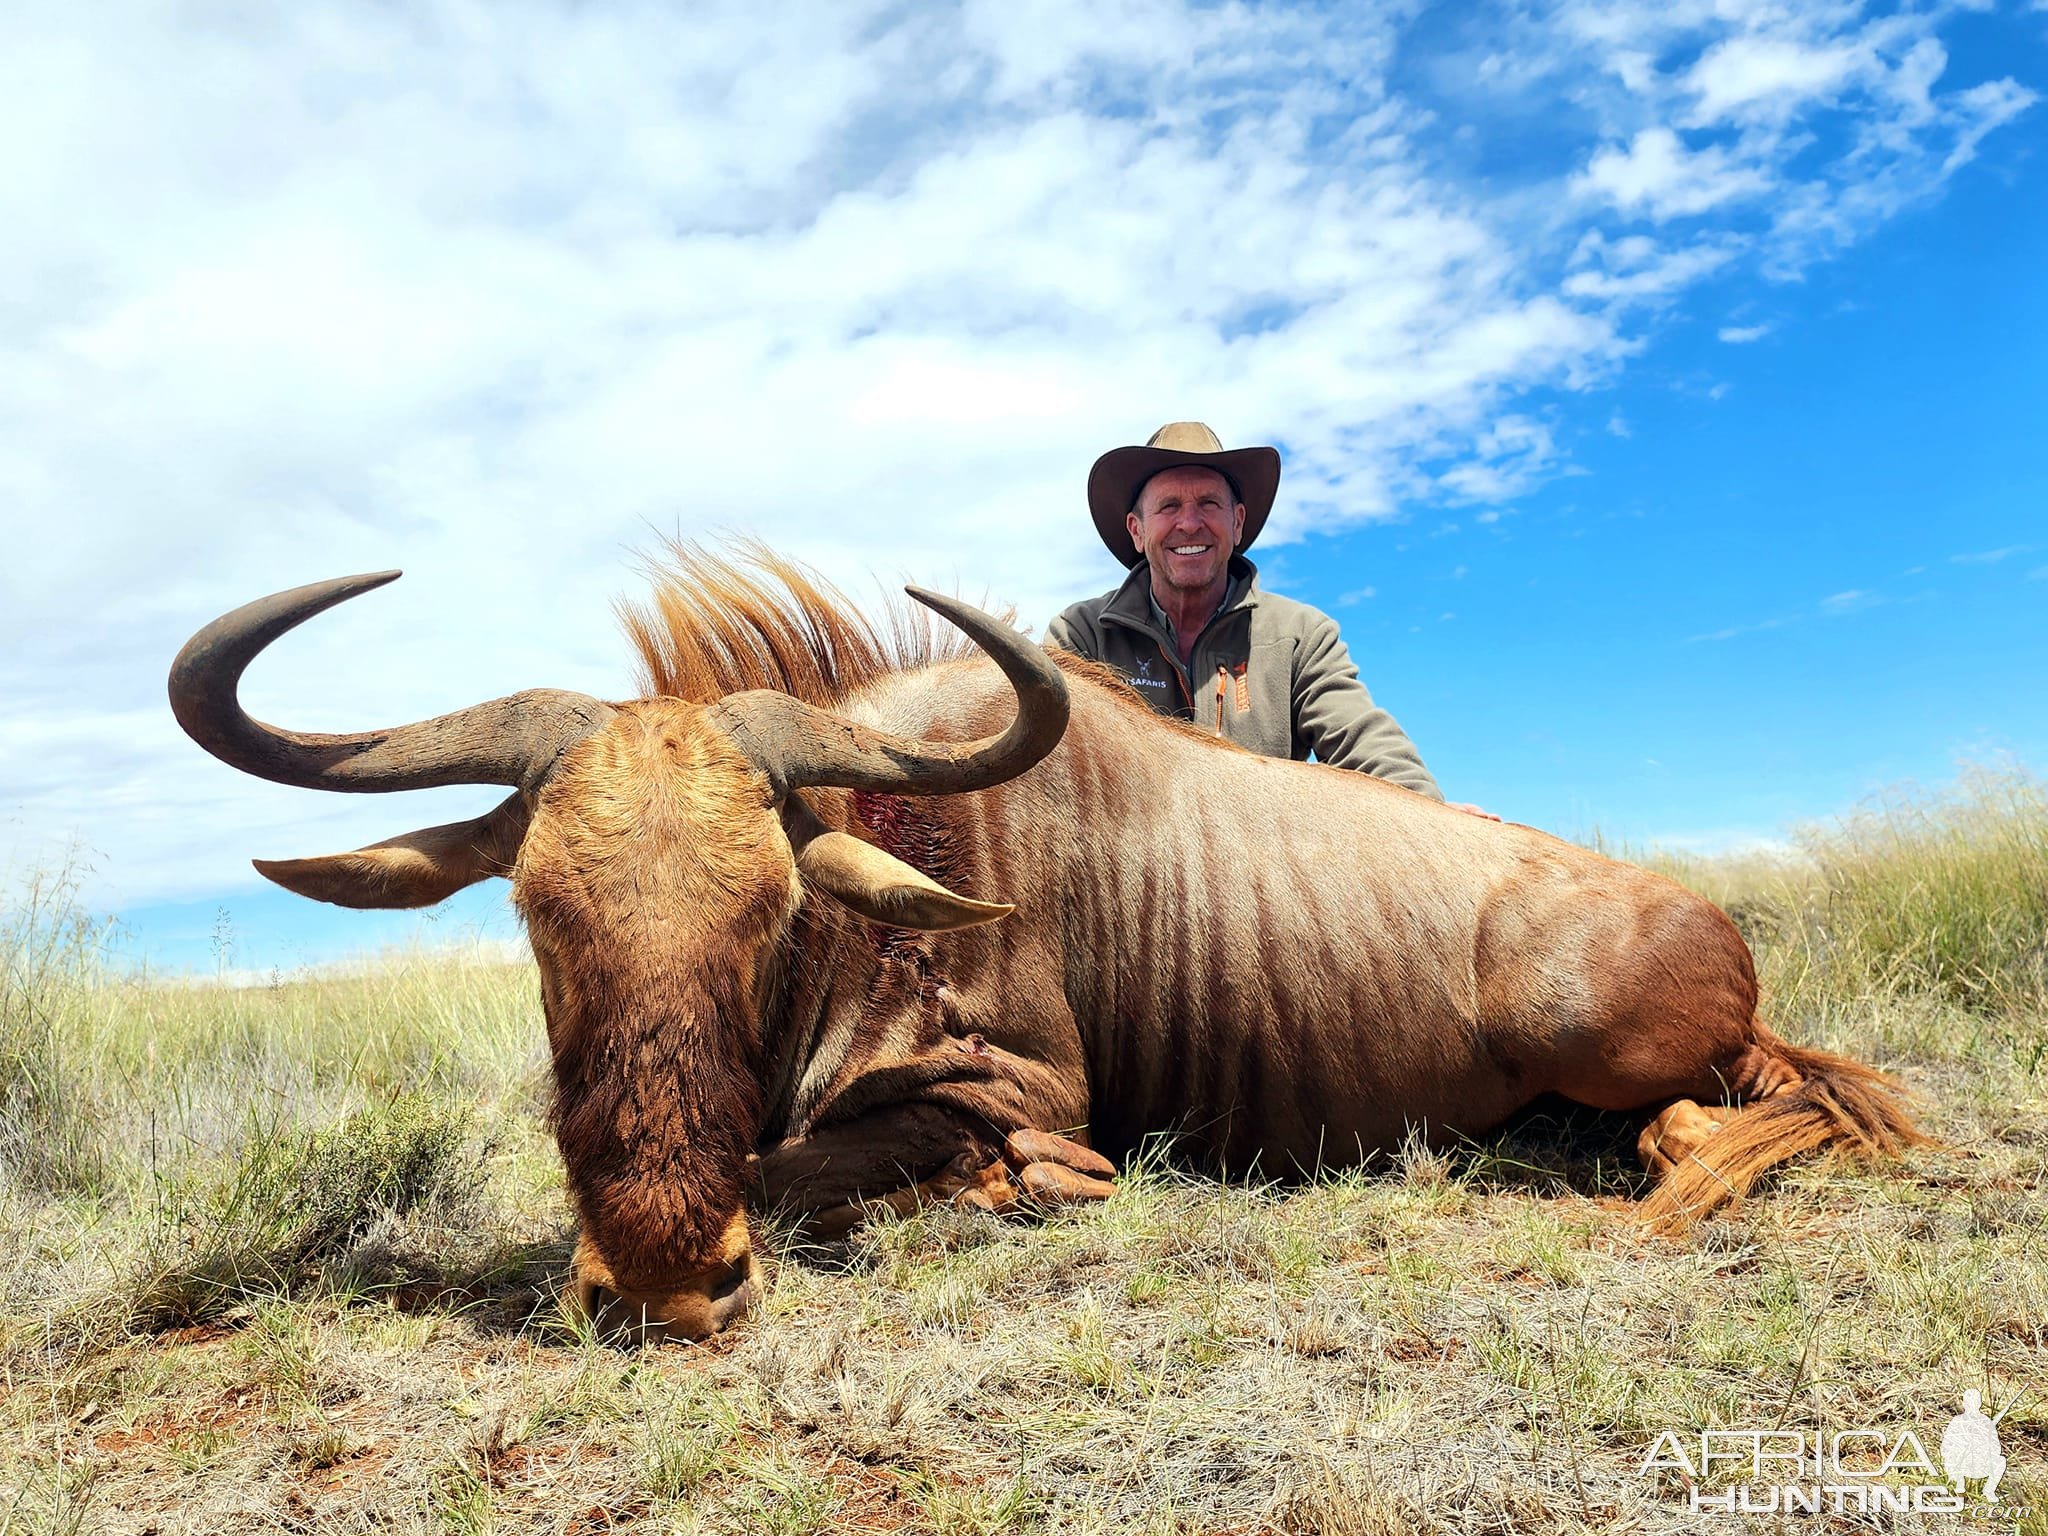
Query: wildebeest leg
x=830 y=1178
x=878 y=1154
x=1051 y=1172
x=1785 y=1100
x=960 y=1184
x=1676 y=1133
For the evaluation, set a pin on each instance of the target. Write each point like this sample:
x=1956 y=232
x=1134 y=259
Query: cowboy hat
x=1118 y=476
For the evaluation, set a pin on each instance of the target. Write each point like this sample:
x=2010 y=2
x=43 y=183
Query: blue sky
x=1659 y=386
x=1815 y=567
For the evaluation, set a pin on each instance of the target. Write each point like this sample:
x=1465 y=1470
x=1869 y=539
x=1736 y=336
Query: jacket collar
x=1131 y=604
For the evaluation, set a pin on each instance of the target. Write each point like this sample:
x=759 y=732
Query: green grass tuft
x=51 y=1124
x=285 y=1201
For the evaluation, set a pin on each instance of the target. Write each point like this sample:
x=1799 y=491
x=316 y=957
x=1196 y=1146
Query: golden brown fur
x=715 y=626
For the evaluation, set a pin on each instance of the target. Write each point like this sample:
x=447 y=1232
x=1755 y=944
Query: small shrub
x=1943 y=895
x=50 y=1132
x=287 y=1201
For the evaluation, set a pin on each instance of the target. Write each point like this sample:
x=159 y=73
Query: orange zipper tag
x=1180 y=678
x=1222 y=682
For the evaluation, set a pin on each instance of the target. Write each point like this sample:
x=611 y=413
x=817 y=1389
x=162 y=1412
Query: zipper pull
x=1222 y=685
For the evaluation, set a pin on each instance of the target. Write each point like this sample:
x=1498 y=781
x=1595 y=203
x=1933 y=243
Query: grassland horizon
x=283 y=1255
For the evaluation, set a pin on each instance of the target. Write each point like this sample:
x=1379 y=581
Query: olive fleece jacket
x=1267 y=672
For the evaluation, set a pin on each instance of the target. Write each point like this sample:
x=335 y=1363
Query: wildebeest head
x=657 y=849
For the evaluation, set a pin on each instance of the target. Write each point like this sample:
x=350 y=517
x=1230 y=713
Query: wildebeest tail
x=1836 y=1103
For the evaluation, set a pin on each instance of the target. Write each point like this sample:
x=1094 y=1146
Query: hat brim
x=1118 y=476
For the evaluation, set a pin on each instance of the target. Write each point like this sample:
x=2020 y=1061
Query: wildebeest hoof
x=1054 y=1184
x=970 y=1184
x=1677 y=1133
x=992 y=1190
x=1023 y=1148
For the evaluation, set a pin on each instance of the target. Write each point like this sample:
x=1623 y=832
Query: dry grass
x=281 y=1259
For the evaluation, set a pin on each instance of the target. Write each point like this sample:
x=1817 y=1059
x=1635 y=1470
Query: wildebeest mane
x=714 y=625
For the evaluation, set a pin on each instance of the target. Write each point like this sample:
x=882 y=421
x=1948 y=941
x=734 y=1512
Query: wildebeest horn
x=797 y=745
x=514 y=740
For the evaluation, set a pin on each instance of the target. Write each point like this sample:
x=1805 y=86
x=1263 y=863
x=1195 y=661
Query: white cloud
x=1635 y=269
x=1834 y=606
x=1505 y=459
x=1975 y=112
x=1764 y=76
x=1658 y=176
x=1742 y=335
x=492 y=293
x=1737 y=842
x=1734 y=631
x=1822 y=120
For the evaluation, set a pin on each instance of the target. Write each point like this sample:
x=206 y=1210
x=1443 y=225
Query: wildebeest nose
x=612 y=1315
x=733 y=1293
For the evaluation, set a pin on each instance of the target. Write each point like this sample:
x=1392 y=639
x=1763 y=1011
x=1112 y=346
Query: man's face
x=1186 y=524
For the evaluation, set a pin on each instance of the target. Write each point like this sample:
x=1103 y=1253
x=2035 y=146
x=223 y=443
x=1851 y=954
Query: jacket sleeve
x=1070 y=631
x=1335 y=717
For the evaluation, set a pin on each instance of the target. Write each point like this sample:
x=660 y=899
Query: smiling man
x=1191 y=630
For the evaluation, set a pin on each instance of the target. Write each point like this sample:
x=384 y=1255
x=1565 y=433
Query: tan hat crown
x=1186 y=437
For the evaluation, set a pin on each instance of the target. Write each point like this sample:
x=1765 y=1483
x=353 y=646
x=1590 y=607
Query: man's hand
x=1471 y=810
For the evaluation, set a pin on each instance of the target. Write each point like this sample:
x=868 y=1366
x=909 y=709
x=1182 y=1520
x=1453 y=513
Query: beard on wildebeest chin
x=657 y=1108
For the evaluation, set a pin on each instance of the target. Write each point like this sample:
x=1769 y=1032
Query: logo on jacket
x=1143 y=678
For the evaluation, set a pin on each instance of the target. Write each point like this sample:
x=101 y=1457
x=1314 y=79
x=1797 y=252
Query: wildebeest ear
x=415 y=870
x=877 y=885
x=884 y=889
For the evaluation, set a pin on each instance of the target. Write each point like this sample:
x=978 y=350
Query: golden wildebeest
x=763 y=899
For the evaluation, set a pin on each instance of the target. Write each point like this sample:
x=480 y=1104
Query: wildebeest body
x=768 y=906
x=1287 y=965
